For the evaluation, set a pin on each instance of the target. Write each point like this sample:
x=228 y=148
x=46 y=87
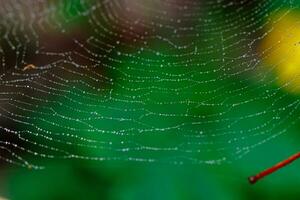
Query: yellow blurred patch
x=280 y=49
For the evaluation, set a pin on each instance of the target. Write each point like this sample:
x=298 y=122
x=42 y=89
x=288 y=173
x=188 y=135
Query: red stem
x=254 y=179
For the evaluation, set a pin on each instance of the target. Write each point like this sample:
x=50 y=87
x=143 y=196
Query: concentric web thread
x=129 y=80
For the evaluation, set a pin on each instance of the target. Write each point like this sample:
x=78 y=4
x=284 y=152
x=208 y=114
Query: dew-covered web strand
x=141 y=84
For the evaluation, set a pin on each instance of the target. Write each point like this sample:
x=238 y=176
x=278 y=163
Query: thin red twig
x=254 y=179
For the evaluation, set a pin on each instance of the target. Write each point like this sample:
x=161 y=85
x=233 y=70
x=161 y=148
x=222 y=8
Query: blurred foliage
x=126 y=180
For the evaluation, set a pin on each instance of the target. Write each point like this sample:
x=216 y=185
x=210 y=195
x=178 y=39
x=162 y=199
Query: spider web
x=130 y=80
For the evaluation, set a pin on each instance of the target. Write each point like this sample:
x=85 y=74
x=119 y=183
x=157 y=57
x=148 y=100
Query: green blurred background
x=216 y=62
